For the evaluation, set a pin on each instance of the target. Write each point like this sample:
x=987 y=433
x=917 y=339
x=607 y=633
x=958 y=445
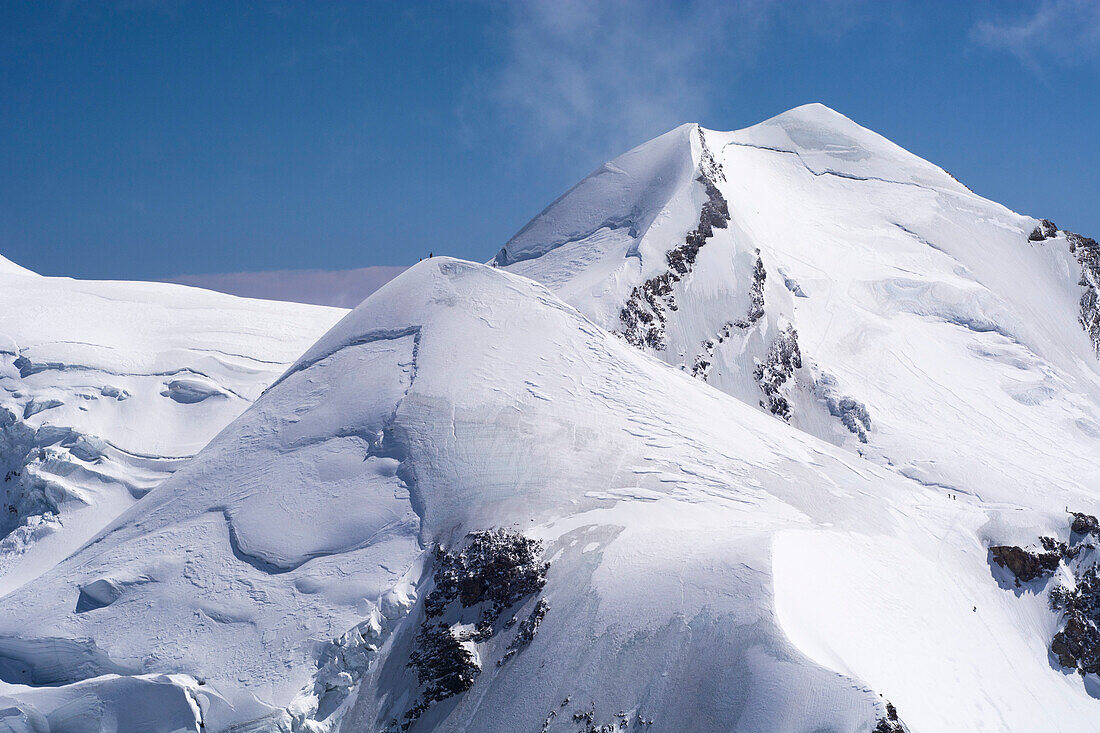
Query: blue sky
x=152 y=138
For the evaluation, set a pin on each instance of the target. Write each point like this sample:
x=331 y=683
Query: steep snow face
x=108 y=387
x=863 y=295
x=478 y=504
x=612 y=229
x=467 y=507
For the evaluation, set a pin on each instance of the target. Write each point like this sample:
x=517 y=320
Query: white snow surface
x=911 y=295
x=928 y=306
x=713 y=567
x=111 y=386
x=461 y=398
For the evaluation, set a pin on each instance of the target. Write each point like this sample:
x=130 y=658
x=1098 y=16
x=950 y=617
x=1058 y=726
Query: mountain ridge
x=835 y=474
x=107 y=387
x=749 y=336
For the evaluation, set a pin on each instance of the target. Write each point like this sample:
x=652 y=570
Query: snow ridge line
x=380 y=334
x=379 y=446
x=343 y=661
x=644 y=315
x=504 y=259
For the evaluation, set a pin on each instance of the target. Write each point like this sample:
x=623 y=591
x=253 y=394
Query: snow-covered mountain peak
x=624 y=195
x=316 y=532
x=469 y=507
x=810 y=266
x=828 y=143
x=628 y=195
x=747 y=431
x=815 y=126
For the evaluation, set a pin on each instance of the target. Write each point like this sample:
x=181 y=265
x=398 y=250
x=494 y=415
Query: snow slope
x=282 y=576
x=108 y=387
x=737 y=435
x=866 y=297
x=929 y=332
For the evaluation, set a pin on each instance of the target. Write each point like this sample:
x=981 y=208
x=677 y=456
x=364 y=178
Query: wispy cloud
x=592 y=77
x=1066 y=31
x=602 y=74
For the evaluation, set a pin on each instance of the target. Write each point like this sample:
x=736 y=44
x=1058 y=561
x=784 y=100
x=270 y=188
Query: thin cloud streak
x=594 y=78
x=612 y=73
x=1066 y=31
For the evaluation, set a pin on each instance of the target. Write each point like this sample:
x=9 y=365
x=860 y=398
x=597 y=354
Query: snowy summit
x=781 y=429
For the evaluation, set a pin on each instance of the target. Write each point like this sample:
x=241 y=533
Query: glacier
x=106 y=388
x=733 y=436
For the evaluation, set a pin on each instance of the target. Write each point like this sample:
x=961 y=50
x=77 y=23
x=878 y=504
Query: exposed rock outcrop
x=1076 y=645
x=473 y=587
x=890 y=723
x=1025 y=565
x=756 y=295
x=1046 y=230
x=783 y=358
x=585 y=720
x=527 y=630
x=445 y=665
x=645 y=313
x=1084 y=524
x=1087 y=252
x=497 y=567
